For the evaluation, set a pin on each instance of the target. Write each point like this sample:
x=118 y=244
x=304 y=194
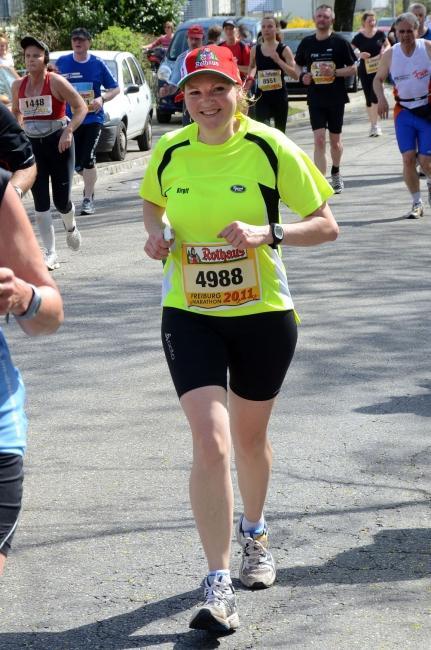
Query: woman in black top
x=271 y=60
x=369 y=44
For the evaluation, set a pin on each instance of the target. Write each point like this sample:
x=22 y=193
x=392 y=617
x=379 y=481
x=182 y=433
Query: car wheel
x=163 y=118
x=119 y=149
x=144 y=140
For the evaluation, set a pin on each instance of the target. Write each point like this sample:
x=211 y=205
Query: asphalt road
x=106 y=556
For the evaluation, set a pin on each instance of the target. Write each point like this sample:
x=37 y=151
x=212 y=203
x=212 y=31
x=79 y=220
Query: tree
x=53 y=21
x=344 y=13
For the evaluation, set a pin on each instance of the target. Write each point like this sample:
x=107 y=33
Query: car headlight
x=164 y=72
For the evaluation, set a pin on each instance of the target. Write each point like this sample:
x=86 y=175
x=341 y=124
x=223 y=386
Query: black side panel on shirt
x=167 y=159
x=270 y=195
x=4 y=179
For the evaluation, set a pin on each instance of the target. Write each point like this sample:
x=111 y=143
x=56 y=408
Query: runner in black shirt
x=16 y=154
x=369 y=45
x=270 y=61
x=323 y=61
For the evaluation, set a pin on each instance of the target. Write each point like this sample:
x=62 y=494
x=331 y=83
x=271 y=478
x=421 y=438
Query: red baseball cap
x=210 y=58
x=195 y=30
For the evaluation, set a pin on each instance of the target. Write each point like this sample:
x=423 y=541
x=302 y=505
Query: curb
x=117 y=167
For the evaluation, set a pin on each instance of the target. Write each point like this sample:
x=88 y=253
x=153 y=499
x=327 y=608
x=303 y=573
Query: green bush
x=119 y=38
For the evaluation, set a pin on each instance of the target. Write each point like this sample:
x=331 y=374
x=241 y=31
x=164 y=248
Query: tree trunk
x=344 y=11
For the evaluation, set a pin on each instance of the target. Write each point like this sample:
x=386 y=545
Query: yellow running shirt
x=204 y=188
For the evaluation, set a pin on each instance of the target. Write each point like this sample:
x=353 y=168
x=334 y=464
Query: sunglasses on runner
x=405 y=31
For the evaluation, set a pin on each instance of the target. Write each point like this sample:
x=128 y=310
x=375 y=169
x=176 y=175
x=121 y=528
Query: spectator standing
x=239 y=49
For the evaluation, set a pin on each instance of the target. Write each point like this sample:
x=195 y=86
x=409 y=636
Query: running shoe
x=73 y=238
x=416 y=212
x=218 y=612
x=373 y=131
x=51 y=260
x=257 y=569
x=337 y=183
x=429 y=193
x=87 y=206
x=378 y=131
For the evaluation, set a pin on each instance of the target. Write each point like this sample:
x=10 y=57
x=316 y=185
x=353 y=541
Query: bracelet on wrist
x=33 y=305
x=19 y=191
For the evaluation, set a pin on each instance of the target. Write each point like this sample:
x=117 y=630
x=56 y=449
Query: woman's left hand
x=15 y=294
x=65 y=140
x=243 y=235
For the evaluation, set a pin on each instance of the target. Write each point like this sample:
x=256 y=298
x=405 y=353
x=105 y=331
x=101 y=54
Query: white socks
x=69 y=219
x=46 y=230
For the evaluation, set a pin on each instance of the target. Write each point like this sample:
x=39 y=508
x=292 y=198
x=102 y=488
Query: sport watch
x=277 y=233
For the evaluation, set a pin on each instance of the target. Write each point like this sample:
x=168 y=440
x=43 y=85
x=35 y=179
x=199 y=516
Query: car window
x=127 y=76
x=178 y=45
x=112 y=67
x=294 y=39
x=135 y=71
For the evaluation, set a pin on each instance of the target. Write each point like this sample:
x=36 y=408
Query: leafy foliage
x=53 y=21
x=119 y=38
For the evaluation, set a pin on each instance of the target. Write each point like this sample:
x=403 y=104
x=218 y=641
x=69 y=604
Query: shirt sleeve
x=15 y=148
x=349 y=55
x=245 y=58
x=301 y=185
x=155 y=43
x=300 y=55
x=151 y=189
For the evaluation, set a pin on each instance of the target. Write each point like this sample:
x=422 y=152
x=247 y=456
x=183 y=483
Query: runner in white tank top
x=409 y=64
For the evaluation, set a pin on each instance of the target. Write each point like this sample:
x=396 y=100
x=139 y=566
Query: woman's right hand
x=364 y=55
x=156 y=246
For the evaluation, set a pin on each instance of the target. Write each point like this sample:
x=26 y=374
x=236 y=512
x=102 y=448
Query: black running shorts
x=327 y=117
x=255 y=350
x=11 y=478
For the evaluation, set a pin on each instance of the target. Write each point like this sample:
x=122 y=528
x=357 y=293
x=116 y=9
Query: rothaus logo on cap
x=206 y=58
x=238 y=188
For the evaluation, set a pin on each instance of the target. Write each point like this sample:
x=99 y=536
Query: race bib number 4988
x=217 y=276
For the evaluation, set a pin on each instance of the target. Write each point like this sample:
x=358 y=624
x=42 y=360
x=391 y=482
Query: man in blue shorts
x=409 y=64
x=87 y=73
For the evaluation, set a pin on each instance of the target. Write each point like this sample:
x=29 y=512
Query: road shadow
x=119 y=632
x=416 y=404
x=395 y=555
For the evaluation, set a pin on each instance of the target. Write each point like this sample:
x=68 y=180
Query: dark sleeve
x=4 y=179
x=15 y=148
x=300 y=56
x=355 y=41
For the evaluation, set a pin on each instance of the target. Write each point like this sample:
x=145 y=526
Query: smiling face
x=211 y=101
